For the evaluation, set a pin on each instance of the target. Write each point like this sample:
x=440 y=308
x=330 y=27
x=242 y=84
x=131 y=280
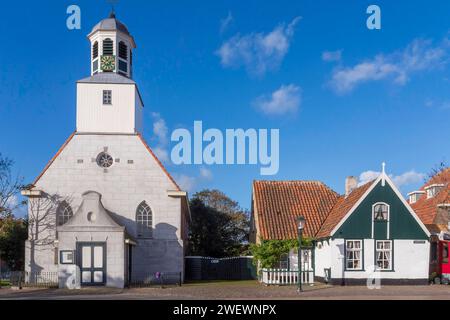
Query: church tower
x=104 y=210
x=109 y=100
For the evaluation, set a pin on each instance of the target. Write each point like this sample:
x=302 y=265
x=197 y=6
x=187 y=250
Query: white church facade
x=105 y=209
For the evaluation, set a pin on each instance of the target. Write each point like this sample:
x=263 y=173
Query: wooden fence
x=207 y=268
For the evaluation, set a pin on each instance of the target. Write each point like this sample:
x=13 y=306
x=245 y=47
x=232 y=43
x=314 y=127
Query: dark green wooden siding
x=402 y=223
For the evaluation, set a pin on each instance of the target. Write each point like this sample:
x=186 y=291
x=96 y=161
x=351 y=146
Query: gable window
x=107 y=96
x=144 y=220
x=353 y=254
x=380 y=212
x=108 y=47
x=64 y=213
x=384 y=255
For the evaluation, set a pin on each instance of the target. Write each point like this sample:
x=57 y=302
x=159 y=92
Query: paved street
x=235 y=290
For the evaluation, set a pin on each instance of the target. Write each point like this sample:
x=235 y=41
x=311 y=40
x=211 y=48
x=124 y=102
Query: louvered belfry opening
x=108 y=47
x=95 y=50
x=123 y=50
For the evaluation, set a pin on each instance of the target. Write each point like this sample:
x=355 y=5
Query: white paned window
x=144 y=220
x=353 y=254
x=384 y=255
x=107 y=97
x=64 y=213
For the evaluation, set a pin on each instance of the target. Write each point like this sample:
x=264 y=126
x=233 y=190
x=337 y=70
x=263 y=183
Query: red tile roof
x=427 y=209
x=277 y=204
x=340 y=209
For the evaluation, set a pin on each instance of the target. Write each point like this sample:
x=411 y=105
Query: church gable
x=105 y=156
x=381 y=213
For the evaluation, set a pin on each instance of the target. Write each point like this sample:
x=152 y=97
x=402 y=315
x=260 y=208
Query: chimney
x=350 y=184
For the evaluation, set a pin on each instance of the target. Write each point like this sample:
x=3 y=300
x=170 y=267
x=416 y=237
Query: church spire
x=112 y=47
x=112 y=14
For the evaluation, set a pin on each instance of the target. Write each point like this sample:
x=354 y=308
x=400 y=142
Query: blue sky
x=345 y=98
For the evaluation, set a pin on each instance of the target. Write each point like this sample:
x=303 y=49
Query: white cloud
x=12 y=202
x=258 y=52
x=185 y=182
x=367 y=176
x=287 y=99
x=161 y=135
x=408 y=178
x=332 y=56
x=226 y=22
x=419 y=55
x=206 y=174
x=405 y=179
x=160 y=129
x=161 y=153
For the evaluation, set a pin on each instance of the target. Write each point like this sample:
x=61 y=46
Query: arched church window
x=95 y=50
x=108 y=47
x=64 y=213
x=380 y=212
x=144 y=220
x=123 y=50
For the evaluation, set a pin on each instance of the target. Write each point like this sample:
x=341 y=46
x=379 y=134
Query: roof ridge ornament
x=383 y=173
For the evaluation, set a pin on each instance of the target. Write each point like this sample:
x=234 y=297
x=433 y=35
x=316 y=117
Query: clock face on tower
x=108 y=63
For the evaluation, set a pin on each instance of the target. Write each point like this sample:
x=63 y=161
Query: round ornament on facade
x=104 y=160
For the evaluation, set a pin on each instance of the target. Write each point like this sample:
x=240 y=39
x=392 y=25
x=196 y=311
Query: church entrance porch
x=92 y=263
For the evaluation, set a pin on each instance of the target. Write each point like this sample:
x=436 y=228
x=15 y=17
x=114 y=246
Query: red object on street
x=444 y=263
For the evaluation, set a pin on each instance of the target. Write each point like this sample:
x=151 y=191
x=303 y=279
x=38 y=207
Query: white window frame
x=390 y=251
x=360 y=250
x=144 y=220
x=387 y=220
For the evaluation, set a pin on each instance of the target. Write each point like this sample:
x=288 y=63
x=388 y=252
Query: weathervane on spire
x=113 y=11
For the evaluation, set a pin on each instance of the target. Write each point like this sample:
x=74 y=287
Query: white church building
x=104 y=209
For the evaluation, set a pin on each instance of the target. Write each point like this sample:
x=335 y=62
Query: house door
x=92 y=263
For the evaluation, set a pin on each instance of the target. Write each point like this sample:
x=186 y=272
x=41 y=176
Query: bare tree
x=439 y=174
x=10 y=186
x=42 y=221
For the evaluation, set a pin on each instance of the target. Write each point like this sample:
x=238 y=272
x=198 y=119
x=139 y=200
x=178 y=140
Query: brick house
x=432 y=204
x=369 y=230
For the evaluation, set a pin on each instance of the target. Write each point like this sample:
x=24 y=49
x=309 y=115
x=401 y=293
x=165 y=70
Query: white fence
x=285 y=276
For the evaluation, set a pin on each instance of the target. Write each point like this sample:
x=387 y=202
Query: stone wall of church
x=134 y=177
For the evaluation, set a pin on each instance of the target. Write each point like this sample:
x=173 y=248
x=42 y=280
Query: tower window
x=123 y=50
x=108 y=47
x=95 y=50
x=107 y=96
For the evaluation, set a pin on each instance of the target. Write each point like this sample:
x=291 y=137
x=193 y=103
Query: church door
x=92 y=263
